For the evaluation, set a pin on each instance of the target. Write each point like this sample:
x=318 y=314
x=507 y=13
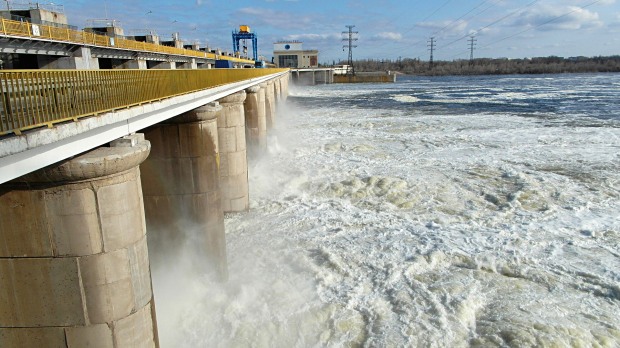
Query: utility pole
x=472 y=42
x=431 y=48
x=350 y=39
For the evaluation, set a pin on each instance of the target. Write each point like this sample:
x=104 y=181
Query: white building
x=290 y=54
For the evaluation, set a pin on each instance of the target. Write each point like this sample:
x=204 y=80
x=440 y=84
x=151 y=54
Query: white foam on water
x=406 y=98
x=373 y=227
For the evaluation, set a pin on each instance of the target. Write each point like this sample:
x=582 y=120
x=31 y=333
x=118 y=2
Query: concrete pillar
x=270 y=104
x=180 y=181
x=277 y=89
x=255 y=118
x=163 y=65
x=81 y=58
x=74 y=265
x=134 y=64
x=233 y=158
x=306 y=78
x=284 y=87
x=188 y=65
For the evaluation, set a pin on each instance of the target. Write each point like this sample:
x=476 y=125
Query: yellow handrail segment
x=44 y=32
x=35 y=98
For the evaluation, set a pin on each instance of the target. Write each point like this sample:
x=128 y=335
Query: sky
x=386 y=29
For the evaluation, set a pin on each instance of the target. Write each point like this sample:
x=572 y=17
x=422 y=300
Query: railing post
x=6 y=104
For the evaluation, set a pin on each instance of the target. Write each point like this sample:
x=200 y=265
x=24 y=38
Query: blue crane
x=245 y=34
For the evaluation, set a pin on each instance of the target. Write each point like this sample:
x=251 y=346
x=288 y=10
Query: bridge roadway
x=93 y=162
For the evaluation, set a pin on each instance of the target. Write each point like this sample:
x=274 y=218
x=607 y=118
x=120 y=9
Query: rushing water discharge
x=433 y=212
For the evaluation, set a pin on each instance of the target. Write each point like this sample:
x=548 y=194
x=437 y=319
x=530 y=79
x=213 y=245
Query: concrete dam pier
x=77 y=237
x=321 y=76
x=74 y=265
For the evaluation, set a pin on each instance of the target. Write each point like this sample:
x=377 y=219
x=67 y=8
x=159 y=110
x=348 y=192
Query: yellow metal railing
x=45 y=32
x=35 y=98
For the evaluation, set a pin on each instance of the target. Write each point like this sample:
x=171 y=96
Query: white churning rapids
x=434 y=212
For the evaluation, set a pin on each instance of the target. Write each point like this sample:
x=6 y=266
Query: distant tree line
x=489 y=66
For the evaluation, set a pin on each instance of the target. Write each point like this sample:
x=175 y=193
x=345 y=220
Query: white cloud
x=390 y=36
x=277 y=19
x=445 y=27
x=309 y=37
x=614 y=25
x=548 y=17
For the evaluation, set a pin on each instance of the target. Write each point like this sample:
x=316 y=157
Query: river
x=432 y=212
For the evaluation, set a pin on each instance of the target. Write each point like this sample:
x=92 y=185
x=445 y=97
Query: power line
x=544 y=23
x=350 y=46
x=492 y=23
x=461 y=17
x=539 y=25
x=508 y=15
x=422 y=41
x=437 y=10
x=425 y=18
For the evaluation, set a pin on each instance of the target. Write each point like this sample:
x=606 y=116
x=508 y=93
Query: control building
x=290 y=54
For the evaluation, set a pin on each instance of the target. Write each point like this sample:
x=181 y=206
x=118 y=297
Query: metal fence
x=13 y=5
x=35 y=98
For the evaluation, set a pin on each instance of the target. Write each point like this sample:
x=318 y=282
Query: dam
x=95 y=162
x=74 y=262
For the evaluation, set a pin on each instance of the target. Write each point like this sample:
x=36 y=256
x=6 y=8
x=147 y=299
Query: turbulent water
x=433 y=212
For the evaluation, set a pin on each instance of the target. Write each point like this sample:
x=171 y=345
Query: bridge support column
x=277 y=90
x=74 y=266
x=162 y=65
x=233 y=157
x=180 y=181
x=284 y=87
x=270 y=104
x=305 y=78
x=80 y=59
x=255 y=118
x=188 y=65
x=134 y=64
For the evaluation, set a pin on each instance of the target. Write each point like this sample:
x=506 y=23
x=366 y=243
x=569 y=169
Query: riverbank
x=498 y=66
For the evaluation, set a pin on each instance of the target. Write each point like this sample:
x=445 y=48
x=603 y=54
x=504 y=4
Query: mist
x=270 y=295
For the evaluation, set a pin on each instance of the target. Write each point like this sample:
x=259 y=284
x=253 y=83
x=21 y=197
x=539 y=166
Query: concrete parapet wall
x=74 y=264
